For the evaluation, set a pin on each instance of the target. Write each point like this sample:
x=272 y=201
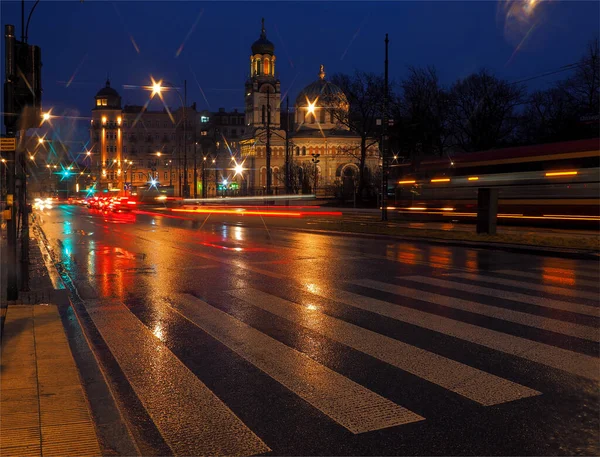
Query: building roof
x=107 y=91
x=262 y=45
x=323 y=91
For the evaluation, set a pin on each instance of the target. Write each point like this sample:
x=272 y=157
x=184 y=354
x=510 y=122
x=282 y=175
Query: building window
x=166 y=175
x=297 y=150
x=258 y=64
x=103 y=102
x=98 y=102
x=204 y=119
x=156 y=137
x=303 y=150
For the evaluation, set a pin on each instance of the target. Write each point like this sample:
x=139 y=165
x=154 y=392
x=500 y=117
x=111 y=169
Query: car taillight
x=131 y=202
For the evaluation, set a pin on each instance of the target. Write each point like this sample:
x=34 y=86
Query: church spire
x=263 y=32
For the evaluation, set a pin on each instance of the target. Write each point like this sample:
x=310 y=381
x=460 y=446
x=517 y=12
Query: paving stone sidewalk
x=43 y=407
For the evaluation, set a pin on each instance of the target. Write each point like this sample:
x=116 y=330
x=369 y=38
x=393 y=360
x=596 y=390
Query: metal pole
x=384 y=215
x=24 y=216
x=195 y=168
x=186 y=192
x=287 y=147
x=204 y=177
x=11 y=225
x=268 y=144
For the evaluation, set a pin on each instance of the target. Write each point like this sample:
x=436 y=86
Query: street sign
x=8 y=144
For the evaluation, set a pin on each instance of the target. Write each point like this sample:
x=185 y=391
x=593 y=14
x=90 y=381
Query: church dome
x=262 y=45
x=323 y=91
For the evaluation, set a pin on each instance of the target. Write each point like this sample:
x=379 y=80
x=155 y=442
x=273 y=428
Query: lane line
x=349 y=404
x=571 y=362
x=540 y=278
x=515 y=296
x=528 y=286
x=204 y=424
x=532 y=320
x=479 y=386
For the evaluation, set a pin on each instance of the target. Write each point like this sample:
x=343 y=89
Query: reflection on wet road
x=294 y=343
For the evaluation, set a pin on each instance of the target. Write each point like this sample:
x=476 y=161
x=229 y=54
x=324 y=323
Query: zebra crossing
x=160 y=378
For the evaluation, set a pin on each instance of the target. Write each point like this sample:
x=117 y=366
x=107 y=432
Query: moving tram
x=554 y=182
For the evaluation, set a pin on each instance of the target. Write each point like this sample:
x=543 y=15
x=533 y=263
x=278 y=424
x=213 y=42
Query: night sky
x=83 y=42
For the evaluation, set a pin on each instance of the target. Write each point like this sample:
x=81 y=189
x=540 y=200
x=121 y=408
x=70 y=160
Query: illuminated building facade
x=133 y=148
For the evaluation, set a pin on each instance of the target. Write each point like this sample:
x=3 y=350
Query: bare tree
x=359 y=113
x=483 y=111
x=583 y=88
x=549 y=116
x=422 y=113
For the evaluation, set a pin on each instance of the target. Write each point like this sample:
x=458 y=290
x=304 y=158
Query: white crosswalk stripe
x=566 y=328
x=464 y=380
x=215 y=429
x=507 y=295
x=346 y=402
x=525 y=274
x=528 y=286
x=571 y=362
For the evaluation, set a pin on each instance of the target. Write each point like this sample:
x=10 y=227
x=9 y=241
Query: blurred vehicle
x=123 y=204
x=43 y=203
x=550 y=181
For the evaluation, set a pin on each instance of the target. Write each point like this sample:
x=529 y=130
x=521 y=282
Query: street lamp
x=204 y=177
x=157 y=88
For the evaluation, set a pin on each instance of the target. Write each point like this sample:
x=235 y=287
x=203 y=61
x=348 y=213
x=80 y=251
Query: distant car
x=123 y=204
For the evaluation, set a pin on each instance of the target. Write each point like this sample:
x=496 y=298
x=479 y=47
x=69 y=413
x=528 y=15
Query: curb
x=112 y=431
x=516 y=248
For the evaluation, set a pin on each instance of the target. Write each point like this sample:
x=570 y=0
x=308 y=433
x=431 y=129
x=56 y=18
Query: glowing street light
x=40 y=140
x=46 y=116
x=238 y=169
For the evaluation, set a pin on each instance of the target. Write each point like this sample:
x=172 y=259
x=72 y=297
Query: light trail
x=178 y=52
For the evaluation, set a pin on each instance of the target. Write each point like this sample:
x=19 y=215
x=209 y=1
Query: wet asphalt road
x=221 y=338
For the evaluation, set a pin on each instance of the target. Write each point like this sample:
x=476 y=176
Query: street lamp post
x=195 y=169
x=157 y=89
x=204 y=177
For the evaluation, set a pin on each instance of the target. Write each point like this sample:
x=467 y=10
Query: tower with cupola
x=262 y=86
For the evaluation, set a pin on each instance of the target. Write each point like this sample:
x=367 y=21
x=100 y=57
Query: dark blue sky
x=85 y=41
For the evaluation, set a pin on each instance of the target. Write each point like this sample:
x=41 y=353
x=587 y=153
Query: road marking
x=204 y=425
x=572 y=362
x=516 y=296
x=474 y=384
x=532 y=320
x=528 y=285
x=524 y=274
x=349 y=404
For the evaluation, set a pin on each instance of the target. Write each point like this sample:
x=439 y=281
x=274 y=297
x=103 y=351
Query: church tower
x=262 y=81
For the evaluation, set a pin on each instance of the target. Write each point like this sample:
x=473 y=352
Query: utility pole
x=384 y=138
x=10 y=122
x=186 y=190
x=269 y=177
x=195 y=167
x=287 y=147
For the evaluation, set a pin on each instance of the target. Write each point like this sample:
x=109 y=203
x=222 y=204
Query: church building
x=322 y=152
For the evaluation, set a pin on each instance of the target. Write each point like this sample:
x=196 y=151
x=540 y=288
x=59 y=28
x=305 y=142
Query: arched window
x=303 y=150
x=297 y=150
x=267 y=67
x=258 y=69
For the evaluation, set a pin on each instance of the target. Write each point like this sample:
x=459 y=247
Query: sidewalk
x=43 y=407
